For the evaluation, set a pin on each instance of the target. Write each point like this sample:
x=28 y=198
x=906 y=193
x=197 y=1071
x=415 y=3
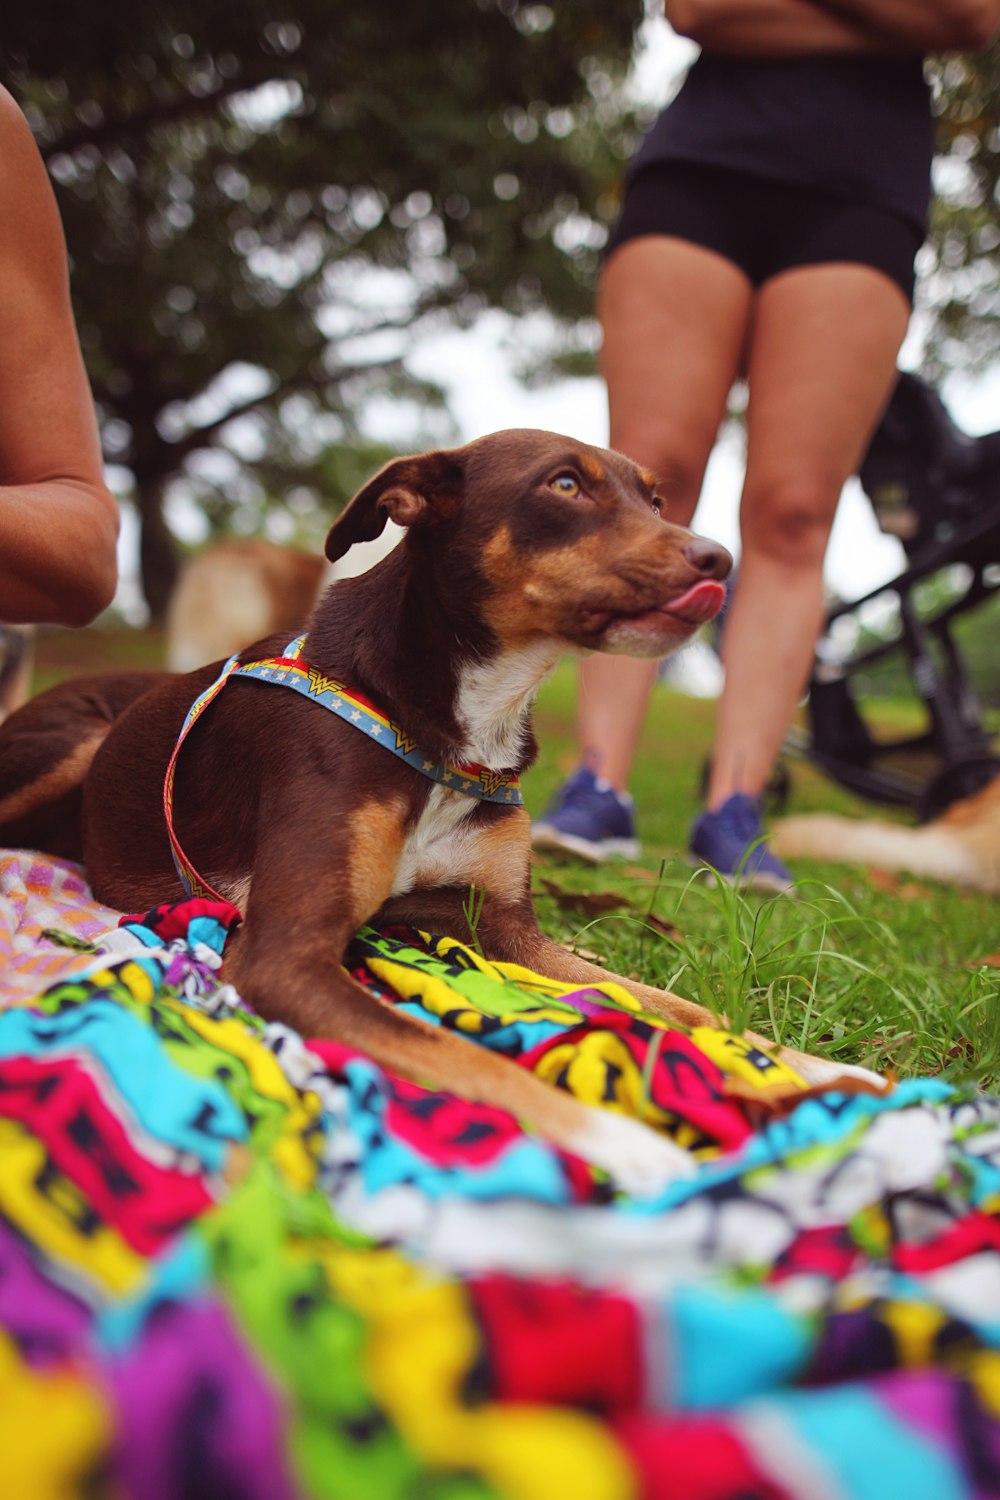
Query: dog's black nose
x=708 y=557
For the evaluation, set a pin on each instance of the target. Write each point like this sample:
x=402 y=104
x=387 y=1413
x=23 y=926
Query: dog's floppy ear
x=413 y=491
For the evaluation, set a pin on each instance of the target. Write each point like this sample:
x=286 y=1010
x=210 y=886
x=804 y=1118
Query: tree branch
x=200 y=437
x=165 y=112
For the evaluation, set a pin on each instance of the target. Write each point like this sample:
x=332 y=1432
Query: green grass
x=860 y=967
x=74 y=653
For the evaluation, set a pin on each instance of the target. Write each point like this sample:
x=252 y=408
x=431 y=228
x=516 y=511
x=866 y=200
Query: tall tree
x=266 y=204
x=960 y=283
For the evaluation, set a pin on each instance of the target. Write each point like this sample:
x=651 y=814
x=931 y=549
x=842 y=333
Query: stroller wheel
x=962 y=779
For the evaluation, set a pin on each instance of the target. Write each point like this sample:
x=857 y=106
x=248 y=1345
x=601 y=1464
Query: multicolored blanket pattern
x=236 y=1264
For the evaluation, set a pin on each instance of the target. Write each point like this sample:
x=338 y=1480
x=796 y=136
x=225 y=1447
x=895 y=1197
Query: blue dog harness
x=291 y=671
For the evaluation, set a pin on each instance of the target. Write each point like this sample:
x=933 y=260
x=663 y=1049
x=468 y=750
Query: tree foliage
x=268 y=204
x=960 y=285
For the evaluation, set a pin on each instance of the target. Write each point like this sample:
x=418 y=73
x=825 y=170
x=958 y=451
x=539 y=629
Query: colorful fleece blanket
x=240 y=1265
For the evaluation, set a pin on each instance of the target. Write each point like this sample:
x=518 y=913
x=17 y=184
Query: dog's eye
x=657 y=505
x=565 y=484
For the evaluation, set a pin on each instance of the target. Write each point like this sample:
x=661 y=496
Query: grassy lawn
x=861 y=965
x=73 y=653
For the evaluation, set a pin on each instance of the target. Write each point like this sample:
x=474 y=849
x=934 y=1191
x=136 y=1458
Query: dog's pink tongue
x=698 y=603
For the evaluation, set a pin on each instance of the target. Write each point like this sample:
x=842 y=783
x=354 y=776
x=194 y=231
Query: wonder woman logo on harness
x=319 y=683
x=403 y=741
x=492 y=781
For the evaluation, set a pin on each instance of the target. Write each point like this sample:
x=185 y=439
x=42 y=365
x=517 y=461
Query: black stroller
x=938 y=490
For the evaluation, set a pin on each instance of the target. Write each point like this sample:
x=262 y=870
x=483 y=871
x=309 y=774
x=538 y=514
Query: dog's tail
x=46 y=749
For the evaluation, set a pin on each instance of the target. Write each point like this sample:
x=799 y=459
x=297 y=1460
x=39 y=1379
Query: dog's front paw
x=641 y=1161
x=824 y=1072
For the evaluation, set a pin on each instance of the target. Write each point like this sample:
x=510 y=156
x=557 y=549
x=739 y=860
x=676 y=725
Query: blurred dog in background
x=961 y=847
x=16 y=662
x=244 y=588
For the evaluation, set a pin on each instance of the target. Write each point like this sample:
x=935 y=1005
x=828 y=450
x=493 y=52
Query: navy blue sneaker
x=587 y=817
x=727 y=841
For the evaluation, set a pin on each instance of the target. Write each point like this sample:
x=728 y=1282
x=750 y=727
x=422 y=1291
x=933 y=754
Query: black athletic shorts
x=763 y=226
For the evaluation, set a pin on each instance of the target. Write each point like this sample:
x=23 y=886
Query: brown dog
x=961 y=847
x=520 y=546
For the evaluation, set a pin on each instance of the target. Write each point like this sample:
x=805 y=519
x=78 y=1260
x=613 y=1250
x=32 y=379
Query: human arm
x=926 y=25
x=769 y=28
x=804 y=28
x=58 y=520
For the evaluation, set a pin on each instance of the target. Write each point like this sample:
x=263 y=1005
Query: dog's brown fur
x=961 y=847
x=519 y=547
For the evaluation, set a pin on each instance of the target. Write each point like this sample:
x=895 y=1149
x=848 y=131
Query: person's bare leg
x=822 y=362
x=674 y=318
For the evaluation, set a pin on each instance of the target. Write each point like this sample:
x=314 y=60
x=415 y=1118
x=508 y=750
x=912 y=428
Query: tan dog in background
x=17 y=659
x=244 y=588
x=961 y=847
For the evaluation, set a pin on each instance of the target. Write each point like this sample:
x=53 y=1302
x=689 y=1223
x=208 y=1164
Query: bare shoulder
x=20 y=151
x=30 y=229
x=11 y=117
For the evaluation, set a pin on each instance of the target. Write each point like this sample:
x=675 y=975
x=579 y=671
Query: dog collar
x=291 y=671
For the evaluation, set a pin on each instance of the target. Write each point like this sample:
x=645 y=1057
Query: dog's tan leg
x=515 y=940
x=304 y=906
x=333 y=1006
x=639 y=1160
x=529 y=946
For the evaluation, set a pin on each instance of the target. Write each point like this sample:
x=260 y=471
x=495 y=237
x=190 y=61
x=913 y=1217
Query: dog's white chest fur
x=440 y=850
x=494 y=701
x=493 y=704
